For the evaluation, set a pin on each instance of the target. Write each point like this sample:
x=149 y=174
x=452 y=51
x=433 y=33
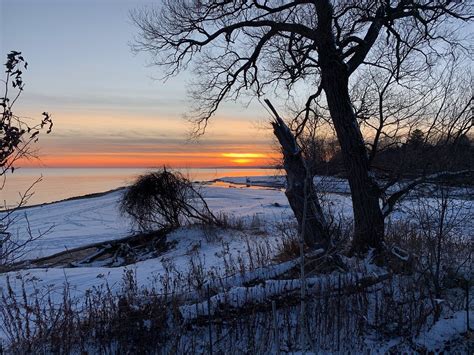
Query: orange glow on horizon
x=148 y=159
x=89 y=139
x=98 y=140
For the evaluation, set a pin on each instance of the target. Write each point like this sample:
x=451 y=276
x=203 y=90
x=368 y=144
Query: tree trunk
x=368 y=217
x=315 y=232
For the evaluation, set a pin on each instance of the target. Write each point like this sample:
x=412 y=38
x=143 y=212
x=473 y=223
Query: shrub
x=165 y=199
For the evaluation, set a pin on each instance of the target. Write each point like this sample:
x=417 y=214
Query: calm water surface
x=58 y=184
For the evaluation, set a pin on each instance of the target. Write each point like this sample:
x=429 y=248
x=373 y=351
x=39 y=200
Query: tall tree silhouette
x=237 y=45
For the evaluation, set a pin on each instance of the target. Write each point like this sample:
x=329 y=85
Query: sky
x=108 y=105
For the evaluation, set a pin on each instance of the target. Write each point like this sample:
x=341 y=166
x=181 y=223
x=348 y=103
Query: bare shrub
x=228 y=221
x=133 y=321
x=17 y=136
x=342 y=309
x=433 y=236
x=289 y=244
x=340 y=232
x=223 y=221
x=165 y=199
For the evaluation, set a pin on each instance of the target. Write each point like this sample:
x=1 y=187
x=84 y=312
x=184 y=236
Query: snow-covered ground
x=76 y=223
x=84 y=221
x=332 y=184
x=70 y=224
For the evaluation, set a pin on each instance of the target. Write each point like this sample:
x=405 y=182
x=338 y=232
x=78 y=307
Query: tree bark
x=368 y=217
x=316 y=232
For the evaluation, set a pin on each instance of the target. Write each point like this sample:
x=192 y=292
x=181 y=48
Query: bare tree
x=261 y=45
x=420 y=119
x=16 y=139
x=416 y=128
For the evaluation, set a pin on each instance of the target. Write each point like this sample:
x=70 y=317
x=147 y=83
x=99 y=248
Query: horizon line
x=150 y=167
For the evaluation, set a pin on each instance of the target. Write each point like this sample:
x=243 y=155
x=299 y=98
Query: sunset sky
x=108 y=108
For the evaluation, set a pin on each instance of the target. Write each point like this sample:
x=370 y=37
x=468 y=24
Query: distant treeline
x=413 y=157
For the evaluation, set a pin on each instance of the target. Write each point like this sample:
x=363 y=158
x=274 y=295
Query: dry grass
x=341 y=307
x=139 y=320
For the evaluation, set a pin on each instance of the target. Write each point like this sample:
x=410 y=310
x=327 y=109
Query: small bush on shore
x=165 y=199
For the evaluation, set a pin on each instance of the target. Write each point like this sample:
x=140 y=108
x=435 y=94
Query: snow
x=72 y=223
x=258 y=274
x=81 y=222
x=83 y=278
x=85 y=221
x=444 y=330
x=324 y=183
x=332 y=184
x=238 y=296
x=90 y=220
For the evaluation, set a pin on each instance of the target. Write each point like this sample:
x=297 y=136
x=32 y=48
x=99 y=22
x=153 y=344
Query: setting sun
x=242 y=161
x=246 y=158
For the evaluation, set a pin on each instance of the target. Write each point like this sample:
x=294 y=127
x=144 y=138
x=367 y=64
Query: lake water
x=57 y=184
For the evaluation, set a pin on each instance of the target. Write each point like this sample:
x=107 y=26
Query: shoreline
x=333 y=185
x=79 y=197
x=268 y=185
x=58 y=185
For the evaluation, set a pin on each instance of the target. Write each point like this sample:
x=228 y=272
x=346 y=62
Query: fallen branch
x=243 y=299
